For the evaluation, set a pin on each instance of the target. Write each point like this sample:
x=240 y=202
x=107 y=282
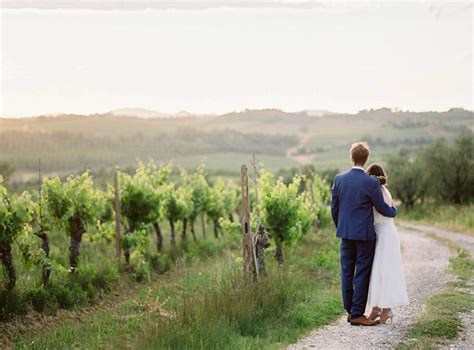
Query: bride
x=387 y=281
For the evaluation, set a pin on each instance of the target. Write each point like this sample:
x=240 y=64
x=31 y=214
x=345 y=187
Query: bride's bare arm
x=379 y=203
x=389 y=198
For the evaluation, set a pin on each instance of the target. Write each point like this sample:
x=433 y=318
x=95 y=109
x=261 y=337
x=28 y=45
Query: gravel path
x=464 y=241
x=466 y=336
x=425 y=261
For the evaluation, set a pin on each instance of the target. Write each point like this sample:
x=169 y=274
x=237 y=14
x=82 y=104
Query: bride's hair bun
x=377 y=171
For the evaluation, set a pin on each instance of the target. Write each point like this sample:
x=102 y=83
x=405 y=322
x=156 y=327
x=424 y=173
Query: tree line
x=441 y=172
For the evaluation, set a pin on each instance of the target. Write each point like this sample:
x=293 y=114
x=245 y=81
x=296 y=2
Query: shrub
x=12 y=302
x=207 y=249
x=39 y=298
x=62 y=295
x=141 y=270
x=69 y=295
x=107 y=276
x=160 y=262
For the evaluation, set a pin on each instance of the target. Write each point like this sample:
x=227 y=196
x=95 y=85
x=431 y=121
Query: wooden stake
x=118 y=220
x=313 y=201
x=311 y=185
x=255 y=180
x=40 y=183
x=246 y=230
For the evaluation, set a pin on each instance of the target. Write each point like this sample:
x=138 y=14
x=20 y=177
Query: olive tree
x=408 y=177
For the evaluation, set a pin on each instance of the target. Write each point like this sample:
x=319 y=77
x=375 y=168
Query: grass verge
x=207 y=306
x=96 y=276
x=440 y=321
x=34 y=309
x=448 y=216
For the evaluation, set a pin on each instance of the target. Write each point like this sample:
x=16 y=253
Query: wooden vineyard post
x=246 y=230
x=117 y=217
x=313 y=202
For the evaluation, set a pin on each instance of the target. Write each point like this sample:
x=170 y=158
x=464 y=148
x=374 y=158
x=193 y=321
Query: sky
x=221 y=56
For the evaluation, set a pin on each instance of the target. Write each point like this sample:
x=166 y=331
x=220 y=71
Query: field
x=69 y=144
x=178 y=287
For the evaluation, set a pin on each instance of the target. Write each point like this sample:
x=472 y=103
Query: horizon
x=171 y=115
x=208 y=58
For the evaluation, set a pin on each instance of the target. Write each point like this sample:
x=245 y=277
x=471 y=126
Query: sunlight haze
x=336 y=57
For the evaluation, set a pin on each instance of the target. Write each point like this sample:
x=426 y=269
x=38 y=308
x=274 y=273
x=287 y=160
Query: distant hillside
x=275 y=113
x=69 y=143
x=148 y=114
x=318 y=113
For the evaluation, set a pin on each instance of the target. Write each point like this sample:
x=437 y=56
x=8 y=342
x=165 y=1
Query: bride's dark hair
x=377 y=171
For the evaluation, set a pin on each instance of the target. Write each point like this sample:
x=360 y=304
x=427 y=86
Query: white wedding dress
x=387 y=281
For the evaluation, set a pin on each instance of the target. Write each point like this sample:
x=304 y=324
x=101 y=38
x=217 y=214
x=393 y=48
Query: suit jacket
x=354 y=194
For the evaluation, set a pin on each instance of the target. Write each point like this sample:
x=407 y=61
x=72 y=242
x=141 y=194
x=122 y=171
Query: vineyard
x=70 y=241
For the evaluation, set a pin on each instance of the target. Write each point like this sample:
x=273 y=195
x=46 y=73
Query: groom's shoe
x=363 y=321
x=349 y=318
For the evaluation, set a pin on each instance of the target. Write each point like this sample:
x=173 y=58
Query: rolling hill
x=70 y=143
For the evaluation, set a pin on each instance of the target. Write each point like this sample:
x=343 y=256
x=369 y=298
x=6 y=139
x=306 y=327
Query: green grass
x=440 y=321
x=207 y=306
x=452 y=217
x=97 y=274
x=462 y=266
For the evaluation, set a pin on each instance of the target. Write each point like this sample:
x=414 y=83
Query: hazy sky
x=202 y=56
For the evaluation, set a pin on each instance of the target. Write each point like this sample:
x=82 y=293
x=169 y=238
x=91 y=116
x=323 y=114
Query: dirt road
x=425 y=260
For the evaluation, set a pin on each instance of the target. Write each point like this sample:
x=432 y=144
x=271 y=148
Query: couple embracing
x=371 y=267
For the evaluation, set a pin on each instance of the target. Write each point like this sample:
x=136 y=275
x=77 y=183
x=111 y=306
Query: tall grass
x=208 y=306
x=231 y=313
x=225 y=313
x=96 y=276
x=449 y=216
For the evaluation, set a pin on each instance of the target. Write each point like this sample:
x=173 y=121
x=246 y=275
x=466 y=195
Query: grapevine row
x=148 y=198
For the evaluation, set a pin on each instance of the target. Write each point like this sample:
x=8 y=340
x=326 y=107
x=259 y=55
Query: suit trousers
x=356 y=265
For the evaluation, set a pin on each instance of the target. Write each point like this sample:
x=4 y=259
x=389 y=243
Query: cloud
x=156 y=4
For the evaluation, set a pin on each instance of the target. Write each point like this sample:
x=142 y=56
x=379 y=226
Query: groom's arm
x=334 y=203
x=379 y=202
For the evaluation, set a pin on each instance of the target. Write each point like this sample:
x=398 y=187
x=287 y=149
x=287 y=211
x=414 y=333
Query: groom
x=354 y=195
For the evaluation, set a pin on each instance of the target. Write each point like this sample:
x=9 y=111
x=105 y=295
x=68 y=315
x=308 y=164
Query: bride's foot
x=387 y=314
x=376 y=312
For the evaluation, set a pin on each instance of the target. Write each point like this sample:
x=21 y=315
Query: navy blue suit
x=354 y=194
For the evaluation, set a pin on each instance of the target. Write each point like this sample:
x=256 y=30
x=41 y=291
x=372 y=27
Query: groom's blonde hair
x=360 y=153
